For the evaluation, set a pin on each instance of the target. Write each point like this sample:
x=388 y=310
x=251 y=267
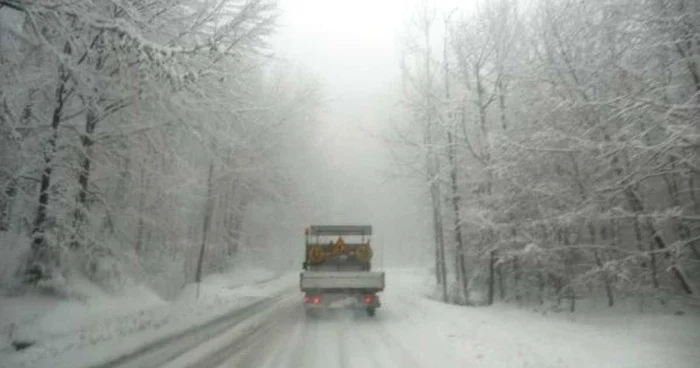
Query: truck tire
x=370 y=312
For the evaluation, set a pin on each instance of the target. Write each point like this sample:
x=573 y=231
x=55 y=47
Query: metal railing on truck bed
x=320 y=230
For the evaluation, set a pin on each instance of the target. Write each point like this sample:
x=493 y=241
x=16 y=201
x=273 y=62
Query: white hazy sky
x=351 y=45
x=353 y=48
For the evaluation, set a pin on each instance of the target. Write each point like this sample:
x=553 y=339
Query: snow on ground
x=507 y=336
x=411 y=330
x=72 y=333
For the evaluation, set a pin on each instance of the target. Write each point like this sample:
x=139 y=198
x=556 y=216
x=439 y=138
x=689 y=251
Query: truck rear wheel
x=370 y=312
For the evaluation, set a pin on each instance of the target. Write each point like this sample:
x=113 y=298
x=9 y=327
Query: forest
x=132 y=132
x=559 y=143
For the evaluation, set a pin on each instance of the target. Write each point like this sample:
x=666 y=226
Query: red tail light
x=369 y=299
x=317 y=299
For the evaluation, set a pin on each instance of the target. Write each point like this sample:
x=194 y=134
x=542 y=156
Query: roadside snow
x=45 y=318
x=71 y=333
x=507 y=336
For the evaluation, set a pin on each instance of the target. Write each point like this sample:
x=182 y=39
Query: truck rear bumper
x=352 y=301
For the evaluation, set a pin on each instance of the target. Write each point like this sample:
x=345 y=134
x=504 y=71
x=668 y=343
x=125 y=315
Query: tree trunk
x=439 y=240
x=606 y=281
x=661 y=245
x=501 y=282
x=558 y=284
x=684 y=232
x=80 y=213
x=236 y=228
x=516 y=279
x=502 y=101
x=438 y=269
x=563 y=238
x=541 y=282
x=205 y=228
x=492 y=264
x=570 y=287
x=6 y=204
x=7 y=201
x=142 y=201
x=599 y=263
x=693 y=196
x=432 y=160
x=652 y=255
x=452 y=156
x=40 y=257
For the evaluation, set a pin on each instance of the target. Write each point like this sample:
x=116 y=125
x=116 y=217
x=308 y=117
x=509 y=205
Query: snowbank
x=75 y=333
x=218 y=287
x=37 y=317
x=504 y=335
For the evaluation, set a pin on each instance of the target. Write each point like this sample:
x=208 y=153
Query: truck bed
x=329 y=281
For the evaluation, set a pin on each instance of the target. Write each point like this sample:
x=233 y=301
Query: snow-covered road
x=341 y=339
x=412 y=331
x=263 y=325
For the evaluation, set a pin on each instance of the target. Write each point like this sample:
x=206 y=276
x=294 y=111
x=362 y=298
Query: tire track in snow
x=165 y=350
x=399 y=303
x=373 y=353
x=273 y=344
x=287 y=346
x=390 y=341
x=390 y=347
x=251 y=338
x=342 y=346
x=341 y=338
x=298 y=353
x=370 y=347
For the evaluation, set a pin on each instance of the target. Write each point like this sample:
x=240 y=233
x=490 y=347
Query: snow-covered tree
x=575 y=146
x=113 y=112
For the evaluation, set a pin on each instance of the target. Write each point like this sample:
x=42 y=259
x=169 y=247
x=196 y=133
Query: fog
x=353 y=49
